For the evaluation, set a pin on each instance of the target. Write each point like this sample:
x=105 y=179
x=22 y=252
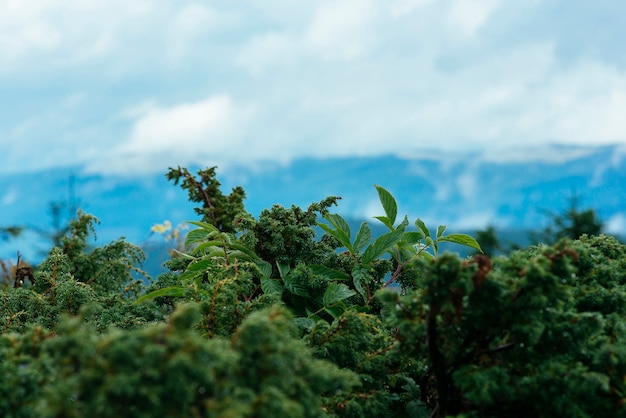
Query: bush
x=259 y=317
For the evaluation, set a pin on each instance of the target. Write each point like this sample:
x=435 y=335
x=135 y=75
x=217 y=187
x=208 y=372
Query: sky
x=133 y=87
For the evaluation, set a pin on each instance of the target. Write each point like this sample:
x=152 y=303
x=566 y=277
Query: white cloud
x=202 y=132
x=616 y=225
x=341 y=28
x=283 y=79
x=471 y=15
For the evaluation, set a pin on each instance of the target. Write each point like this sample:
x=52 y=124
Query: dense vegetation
x=259 y=317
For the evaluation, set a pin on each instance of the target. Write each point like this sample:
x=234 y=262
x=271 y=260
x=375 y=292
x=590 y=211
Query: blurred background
x=492 y=117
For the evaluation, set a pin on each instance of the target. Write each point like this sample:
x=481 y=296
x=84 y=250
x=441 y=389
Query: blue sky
x=128 y=87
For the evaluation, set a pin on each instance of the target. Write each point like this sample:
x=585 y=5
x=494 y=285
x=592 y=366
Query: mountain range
x=512 y=190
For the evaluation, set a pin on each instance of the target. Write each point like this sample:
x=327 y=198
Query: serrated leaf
x=204 y=225
x=440 y=230
x=335 y=311
x=338 y=222
x=359 y=276
x=363 y=237
x=173 y=291
x=427 y=255
x=336 y=292
x=421 y=227
x=403 y=224
x=304 y=323
x=389 y=204
x=381 y=245
x=385 y=220
x=412 y=237
x=462 y=239
x=200 y=265
x=328 y=273
x=264 y=267
x=251 y=254
x=283 y=270
x=271 y=286
x=195 y=236
x=296 y=287
x=340 y=232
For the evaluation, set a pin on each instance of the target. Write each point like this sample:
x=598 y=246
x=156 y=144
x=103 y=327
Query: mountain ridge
x=466 y=191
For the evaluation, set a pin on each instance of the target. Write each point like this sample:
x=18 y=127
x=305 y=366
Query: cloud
x=616 y=225
x=203 y=132
x=146 y=82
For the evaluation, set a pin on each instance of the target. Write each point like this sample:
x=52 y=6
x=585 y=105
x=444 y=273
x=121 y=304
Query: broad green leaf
x=363 y=237
x=338 y=222
x=381 y=245
x=335 y=293
x=304 y=322
x=295 y=286
x=196 y=235
x=386 y=221
x=341 y=231
x=389 y=204
x=462 y=239
x=440 y=230
x=264 y=267
x=283 y=270
x=174 y=291
x=403 y=224
x=335 y=311
x=200 y=265
x=239 y=255
x=271 y=286
x=200 y=249
x=360 y=275
x=412 y=237
x=328 y=273
x=244 y=250
x=204 y=225
x=427 y=255
x=421 y=226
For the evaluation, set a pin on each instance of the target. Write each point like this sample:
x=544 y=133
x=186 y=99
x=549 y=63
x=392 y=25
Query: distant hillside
x=511 y=190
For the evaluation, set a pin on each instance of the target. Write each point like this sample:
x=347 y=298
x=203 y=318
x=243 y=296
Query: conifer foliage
x=293 y=314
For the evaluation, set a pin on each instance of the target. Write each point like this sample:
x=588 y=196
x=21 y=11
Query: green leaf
x=462 y=239
x=360 y=274
x=195 y=236
x=335 y=293
x=421 y=227
x=244 y=250
x=385 y=220
x=403 y=224
x=264 y=267
x=363 y=237
x=412 y=237
x=271 y=286
x=440 y=230
x=283 y=270
x=389 y=204
x=296 y=287
x=328 y=273
x=335 y=311
x=304 y=323
x=338 y=222
x=204 y=225
x=381 y=245
x=341 y=231
x=174 y=291
x=200 y=265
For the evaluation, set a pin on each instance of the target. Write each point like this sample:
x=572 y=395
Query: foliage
x=573 y=223
x=217 y=209
x=265 y=317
